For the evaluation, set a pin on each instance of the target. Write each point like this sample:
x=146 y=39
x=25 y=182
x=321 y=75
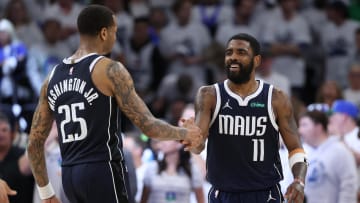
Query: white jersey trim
x=218 y=103
x=270 y=109
x=52 y=73
x=92 y=65
x=70 y=60
x=241 y=101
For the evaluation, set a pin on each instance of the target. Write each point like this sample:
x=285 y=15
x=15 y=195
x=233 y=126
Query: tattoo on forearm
x=135 y=109
x=39 y=131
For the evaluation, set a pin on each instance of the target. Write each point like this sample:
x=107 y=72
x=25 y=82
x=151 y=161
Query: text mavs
x=242 y=125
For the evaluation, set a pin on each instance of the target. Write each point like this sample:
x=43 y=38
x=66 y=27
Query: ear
x=257 y=61
x=103 y=34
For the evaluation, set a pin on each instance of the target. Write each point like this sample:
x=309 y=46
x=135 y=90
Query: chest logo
x=227 y=105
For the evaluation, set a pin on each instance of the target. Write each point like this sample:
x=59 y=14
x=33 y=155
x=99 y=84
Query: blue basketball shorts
x=95 y=182
x=271 y=195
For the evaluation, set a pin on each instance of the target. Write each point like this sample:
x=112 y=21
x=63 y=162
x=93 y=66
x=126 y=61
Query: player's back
x=87 y=120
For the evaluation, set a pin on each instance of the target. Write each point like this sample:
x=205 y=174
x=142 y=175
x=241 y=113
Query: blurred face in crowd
x=184 y=13
x=354 y=77
x=336 y=121
x=52 y=30
x=5 y=38
x=5 y=135
x=17 y=12
x=170 y=146
x=307 y=130
x=239 y=61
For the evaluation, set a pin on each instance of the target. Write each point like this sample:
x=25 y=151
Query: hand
x=295 y=192
x=52 y=199
x=5 y=190
x=194 y=138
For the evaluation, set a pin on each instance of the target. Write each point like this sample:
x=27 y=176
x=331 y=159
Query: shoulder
x=280 y=100
x=208 y=91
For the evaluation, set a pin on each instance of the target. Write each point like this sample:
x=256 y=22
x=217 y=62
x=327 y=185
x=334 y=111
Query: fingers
x=294 y=194
x=9 y=191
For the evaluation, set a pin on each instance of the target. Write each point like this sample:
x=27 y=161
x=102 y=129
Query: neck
x=322 y=137
x=4 y=151
x=349 y=126
x=244 y=89
x=172 y=160
x=86 y=47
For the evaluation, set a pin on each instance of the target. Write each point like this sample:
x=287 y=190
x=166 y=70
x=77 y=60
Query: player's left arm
x=40 y=128
x=288 y=129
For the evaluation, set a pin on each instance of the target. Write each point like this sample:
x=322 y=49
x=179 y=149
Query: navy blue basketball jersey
x=87 y=120
x=243 y=142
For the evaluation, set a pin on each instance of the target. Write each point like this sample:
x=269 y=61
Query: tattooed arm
x=288 y=130
x=136 y=110
x=40 y=128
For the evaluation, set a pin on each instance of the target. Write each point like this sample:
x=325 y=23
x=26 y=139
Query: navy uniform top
x=243 y=142
x=87 y=120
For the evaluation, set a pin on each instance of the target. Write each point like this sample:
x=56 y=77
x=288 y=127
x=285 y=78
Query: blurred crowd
x=310 y=50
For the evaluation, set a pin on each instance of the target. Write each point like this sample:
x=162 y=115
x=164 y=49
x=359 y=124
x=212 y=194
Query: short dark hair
x=254 y=44
x=318 y=117
x=93 y=18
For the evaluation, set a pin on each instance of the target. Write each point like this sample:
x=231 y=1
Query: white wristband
x=45 y=192
x=297 y=157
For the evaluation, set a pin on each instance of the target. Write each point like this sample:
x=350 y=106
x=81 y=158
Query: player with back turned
x=84 y=95
x=243 y=119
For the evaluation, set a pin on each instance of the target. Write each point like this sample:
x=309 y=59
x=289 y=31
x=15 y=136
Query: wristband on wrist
x=298 y=180
x=45 y=192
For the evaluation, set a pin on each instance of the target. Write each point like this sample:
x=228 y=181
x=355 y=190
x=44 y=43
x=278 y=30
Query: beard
x=243 y=75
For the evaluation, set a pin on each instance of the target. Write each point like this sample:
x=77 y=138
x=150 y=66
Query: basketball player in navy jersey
x=83 y=94
x=242 y=119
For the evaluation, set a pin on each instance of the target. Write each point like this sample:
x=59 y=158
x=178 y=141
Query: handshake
x=195 y=139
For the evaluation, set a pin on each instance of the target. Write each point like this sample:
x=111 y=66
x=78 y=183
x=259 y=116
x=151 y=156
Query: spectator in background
x=142 y=58
x=139 y=8
x=158 y=20
x=14 y=87
x=134 y=142
x=328 y=92
x=65 y=11
x=286 y=39
x=173 y=88
x=356 y=56
x=25 y=27
x=173 y=178
x=212 y=13
x=343 y=123
x=332 y=176
x=14 y=164
x=338 y=41
x=266 y=73
x=44 y=56
x=184 y=49
x=243 y=21
x=352 y=93
x=124 y=20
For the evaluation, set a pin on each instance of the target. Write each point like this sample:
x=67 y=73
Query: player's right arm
x=40 y=128
x=205 y=102
x=135 y=109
